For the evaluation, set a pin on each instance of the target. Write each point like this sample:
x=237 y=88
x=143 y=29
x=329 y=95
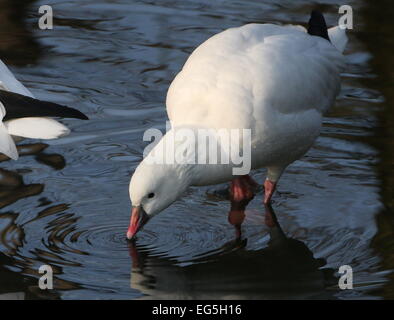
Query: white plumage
x=9 y=83
x=275 y=80
x=7 y=145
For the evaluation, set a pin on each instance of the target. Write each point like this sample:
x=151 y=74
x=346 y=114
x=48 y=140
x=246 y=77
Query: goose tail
x=317 y=27
x=338 y=38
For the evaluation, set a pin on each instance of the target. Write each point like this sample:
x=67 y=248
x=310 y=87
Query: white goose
x=21 y=115
x=275 y=80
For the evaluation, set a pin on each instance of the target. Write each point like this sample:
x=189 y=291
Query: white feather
x=9 y=83
x=7 y=145
x=36 y=128
x=338 y=38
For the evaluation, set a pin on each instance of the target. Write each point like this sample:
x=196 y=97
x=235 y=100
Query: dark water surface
x=65 y=202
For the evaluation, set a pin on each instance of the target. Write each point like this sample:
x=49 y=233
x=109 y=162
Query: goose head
x=154 y=187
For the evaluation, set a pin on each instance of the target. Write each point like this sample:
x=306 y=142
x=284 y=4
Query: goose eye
x=151 y=195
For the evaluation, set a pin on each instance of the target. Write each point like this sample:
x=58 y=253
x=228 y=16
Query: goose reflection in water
x=17 y=285
x=23 y=284
x=12 y=187
x=286 y=267
x=14 y=285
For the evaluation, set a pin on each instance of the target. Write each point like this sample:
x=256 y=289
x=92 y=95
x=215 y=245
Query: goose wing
x=239 y=76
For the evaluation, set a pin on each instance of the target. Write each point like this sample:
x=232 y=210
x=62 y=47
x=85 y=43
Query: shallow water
x=65 y=202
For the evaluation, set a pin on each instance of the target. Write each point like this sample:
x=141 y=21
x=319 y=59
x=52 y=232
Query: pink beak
x=138 y=219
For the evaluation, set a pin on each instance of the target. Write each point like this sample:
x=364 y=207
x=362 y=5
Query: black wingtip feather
x=317 y=25
x=20 y=106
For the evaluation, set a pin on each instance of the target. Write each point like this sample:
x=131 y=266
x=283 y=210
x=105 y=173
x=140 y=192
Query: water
x=65 y=203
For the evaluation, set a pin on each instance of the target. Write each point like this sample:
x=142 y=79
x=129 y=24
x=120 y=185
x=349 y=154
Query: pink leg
x=242 y=189
x=241 y=193
x=269 y=217
x=134 y=255
x=236 y=218
x=269 y=189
